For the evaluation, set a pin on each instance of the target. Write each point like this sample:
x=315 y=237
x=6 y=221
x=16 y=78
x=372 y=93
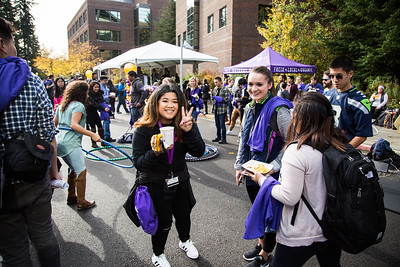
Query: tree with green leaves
x=7 y=11
x=165 y=28
x=369 y=32
x=293 y=30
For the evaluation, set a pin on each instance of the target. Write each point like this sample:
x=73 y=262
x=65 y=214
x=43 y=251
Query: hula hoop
x=210 y=152
x=108 y=146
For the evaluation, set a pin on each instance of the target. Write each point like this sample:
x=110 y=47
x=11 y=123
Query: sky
x=51 y=21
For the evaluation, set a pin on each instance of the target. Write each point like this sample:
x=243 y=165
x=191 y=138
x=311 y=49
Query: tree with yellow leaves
x=292 y=29
x=81 y=57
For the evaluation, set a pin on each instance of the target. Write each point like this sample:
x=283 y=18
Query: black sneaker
x=251 y=254
x=216 y=140
x=260 y=262
x=222 y=142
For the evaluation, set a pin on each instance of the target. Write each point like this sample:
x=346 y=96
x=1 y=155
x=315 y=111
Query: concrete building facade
x=226 y=29
x=114 y=26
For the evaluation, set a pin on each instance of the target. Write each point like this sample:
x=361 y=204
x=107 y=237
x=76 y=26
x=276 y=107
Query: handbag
x=27 y=157
x=145 y=210
x=126 y=137
x=129 y=205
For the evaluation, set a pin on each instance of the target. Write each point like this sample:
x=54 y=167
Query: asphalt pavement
x=104 y=235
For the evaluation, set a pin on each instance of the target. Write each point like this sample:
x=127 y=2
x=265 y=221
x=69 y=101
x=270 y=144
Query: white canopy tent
x=156 y=55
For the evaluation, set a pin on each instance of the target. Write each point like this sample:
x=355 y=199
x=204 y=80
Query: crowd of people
x=270 y=118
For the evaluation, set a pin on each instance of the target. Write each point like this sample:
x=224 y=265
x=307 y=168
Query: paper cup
x=167 y=135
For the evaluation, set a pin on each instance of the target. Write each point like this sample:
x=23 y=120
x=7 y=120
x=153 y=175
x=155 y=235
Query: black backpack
x=354 y=216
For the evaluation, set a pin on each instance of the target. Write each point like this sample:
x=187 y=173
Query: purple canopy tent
x=274 y=61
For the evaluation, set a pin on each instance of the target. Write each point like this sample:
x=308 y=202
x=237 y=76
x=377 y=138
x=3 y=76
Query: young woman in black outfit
x=92 y=108
x=157 y=167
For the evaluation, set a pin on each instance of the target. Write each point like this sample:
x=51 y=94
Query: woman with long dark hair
x=72 y=114
x=312 y=127
x=58 y=91
x=93 y=106
x=163 y=169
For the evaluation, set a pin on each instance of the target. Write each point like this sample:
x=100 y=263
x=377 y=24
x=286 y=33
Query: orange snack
x=158 y=142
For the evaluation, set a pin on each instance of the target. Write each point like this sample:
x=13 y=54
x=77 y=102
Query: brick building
x=226 y=29
x=114 y=26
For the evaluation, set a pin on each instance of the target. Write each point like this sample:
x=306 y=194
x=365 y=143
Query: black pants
x=179 y=205
x=376 y=112
x=327 y=255
x=93 y=119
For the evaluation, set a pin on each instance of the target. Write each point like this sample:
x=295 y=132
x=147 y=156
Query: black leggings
x=179 y=206
x=93 y=119
x=327 y=255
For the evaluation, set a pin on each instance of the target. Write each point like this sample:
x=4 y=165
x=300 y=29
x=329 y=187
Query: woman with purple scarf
x=193 y=96
x=263 y=133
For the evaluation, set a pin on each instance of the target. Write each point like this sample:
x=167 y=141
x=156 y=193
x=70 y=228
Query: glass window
x=85 y=37
x=222 y=17
x=184 y=36
x=142 y=18
x=84 y=16
x=108 y=16
x=73 y=29
x=108 y=36
x=210 y=23
x=76 y=26
x=107 y=54
x=80 y=22
x=179 y=40
x=190 y=21
x=263 y=13
x=81 y=38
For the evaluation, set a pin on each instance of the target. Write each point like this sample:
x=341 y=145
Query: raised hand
x=187 y=120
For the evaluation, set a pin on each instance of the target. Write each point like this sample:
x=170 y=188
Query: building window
x=81 y=38
x=179 y=40
x=107 y=54
x=190 y=21
x=184 y=36
x=210 y=27
x=108 y=16
x=80 y=22
x=84 y=16
x=73 y=29
x=76 y=26
x=108 y=36
x=222 y=17
x=142 y=18
x=85 y=37
x=263 y=13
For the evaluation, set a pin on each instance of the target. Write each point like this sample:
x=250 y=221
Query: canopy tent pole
x=181 y=66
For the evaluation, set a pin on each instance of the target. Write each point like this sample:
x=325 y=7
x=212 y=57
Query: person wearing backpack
x=312 y=128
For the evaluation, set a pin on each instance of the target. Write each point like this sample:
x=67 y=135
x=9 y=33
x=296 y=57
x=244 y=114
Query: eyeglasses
x=338 y=76
x=327 y=79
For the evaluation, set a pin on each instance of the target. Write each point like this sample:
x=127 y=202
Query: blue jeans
x=220 y=124
x=135 y=114
x=75 y=160
x=194 y=114
x=123 y=104
x=26 y=214
x=106 y=126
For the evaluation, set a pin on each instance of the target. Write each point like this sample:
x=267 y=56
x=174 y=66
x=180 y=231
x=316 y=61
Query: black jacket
x=156 y=168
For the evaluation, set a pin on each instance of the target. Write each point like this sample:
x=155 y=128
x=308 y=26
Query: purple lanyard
x=170 y=153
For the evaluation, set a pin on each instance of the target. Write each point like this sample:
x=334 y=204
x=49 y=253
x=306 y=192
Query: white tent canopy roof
x=156 y=55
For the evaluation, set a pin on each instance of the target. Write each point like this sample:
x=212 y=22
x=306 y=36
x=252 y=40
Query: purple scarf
x=265 y=212
x=259 y=134
x=14 y=73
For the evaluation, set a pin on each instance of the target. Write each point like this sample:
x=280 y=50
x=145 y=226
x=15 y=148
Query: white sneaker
x=160 y=261
x=229 y=132
x=189 y=248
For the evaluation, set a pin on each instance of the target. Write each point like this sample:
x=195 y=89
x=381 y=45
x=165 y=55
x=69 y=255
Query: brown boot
x=72 y=199
x=101 y=133
x=94 y=144
x=81 y=188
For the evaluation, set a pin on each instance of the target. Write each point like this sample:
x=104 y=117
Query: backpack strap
x=296 y=207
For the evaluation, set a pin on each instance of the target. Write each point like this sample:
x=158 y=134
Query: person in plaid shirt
x=220 y=109
x=26 y=207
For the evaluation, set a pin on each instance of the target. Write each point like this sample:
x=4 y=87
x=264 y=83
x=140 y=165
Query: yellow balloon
x=128 y=67
x=88 y=74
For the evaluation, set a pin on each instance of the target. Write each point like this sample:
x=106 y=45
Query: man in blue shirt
x=121 y=96
x=313 y=86
x=352 y=109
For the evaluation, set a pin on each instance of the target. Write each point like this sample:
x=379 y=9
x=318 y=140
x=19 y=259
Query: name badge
x=172 y=181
